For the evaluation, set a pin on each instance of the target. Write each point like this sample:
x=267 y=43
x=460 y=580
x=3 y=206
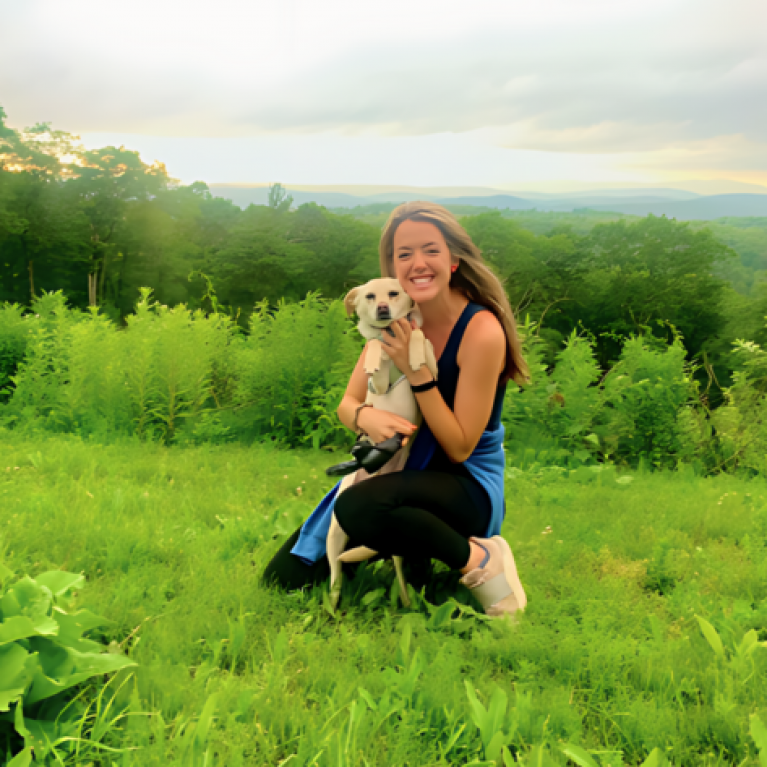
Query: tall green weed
x=178 y=376
x=741 y=423
x=645 y=408
x=175 y=375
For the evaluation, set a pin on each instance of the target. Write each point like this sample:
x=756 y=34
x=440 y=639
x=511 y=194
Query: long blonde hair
x=472 y=277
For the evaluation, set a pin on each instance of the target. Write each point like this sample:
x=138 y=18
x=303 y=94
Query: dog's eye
x=393 y=294
x=370 y=296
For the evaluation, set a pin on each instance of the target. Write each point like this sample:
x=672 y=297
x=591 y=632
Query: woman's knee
x=355 y=507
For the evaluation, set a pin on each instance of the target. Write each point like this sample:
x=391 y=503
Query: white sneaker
x=496 y=585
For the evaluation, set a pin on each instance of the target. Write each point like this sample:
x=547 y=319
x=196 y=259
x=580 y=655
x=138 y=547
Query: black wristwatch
x=423 y=387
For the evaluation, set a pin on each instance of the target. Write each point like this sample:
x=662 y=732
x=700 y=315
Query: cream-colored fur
x=388 y=390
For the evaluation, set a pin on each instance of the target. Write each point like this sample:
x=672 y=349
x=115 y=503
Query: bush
x=174 y=375
x=44 y=657
x=645 y=408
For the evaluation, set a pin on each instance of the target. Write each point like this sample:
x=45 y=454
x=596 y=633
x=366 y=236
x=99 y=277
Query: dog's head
x=378 y=303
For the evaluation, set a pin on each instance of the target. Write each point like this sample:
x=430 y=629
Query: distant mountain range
x=684 y=205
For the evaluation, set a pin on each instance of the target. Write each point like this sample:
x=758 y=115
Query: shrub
x=44 y=657
x=179 y=376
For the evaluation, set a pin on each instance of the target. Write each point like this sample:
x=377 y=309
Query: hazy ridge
x=681 y=204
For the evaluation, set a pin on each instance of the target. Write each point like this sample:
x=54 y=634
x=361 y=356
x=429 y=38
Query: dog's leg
x=403 y=595
x=380 y=379
x=336 y=543
x=373 y=357
x=417 y=350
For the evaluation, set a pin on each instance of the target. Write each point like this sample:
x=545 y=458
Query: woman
x=447 y=503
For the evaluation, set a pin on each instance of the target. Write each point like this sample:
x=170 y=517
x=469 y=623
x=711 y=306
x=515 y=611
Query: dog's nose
x=383 y=312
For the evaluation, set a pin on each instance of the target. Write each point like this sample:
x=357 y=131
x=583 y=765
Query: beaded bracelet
x=357 y=413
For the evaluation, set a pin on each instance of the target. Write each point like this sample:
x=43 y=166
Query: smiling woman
x=448 y=502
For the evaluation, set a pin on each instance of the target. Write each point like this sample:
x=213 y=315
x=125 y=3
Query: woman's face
x=422 y=260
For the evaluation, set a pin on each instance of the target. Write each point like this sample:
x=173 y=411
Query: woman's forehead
x=416 y=234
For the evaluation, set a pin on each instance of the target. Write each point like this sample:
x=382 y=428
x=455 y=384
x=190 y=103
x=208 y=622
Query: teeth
x=422 y=280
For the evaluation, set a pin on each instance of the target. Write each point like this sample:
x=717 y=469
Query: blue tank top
x=447 y=383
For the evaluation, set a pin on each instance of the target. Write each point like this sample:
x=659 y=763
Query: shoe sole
x=510 y=569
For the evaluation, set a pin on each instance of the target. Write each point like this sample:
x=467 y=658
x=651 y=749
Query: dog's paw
x=417 y=350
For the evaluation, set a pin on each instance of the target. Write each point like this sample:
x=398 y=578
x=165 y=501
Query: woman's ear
x=350 y=301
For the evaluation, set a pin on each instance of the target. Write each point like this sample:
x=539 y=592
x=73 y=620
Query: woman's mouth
x=422 y=281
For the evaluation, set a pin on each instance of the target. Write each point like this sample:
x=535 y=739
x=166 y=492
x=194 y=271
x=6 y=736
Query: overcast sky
x=422 y=92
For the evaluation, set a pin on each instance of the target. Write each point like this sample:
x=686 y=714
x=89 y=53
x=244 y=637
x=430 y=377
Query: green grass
x=609 y=655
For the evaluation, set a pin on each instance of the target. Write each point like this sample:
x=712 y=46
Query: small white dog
x=378 y=303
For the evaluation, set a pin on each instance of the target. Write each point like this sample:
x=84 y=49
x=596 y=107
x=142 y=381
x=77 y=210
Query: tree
x=654 y=269
x=279 y=199
x=108 y=181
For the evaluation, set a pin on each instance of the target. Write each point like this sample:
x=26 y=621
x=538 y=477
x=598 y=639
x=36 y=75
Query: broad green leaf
x=578 y=755
x=372 y=596
x=59 y=582
x=712 y=636
x=19 y=722
x=73 y=626
x=43 y=734
x=538 y=757
x=478 y=711
x=25 y=597
x=441 y=615
x=13 y=674
x=77 y=667
x=21 y=627
x=748 y=644
x=654 y=759
x=22 y=759
x=758 y=733
x=496 y=713
x=493 y=748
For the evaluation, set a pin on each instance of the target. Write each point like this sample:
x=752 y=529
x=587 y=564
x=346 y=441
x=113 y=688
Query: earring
x=453 y=267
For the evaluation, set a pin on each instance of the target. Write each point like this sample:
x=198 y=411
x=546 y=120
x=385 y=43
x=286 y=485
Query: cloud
x=654 y=81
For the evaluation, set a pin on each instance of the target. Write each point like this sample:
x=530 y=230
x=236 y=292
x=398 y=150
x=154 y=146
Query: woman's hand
x=379 y=425
x=398 y=347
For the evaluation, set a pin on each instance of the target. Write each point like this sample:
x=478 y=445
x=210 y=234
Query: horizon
x=707 y=187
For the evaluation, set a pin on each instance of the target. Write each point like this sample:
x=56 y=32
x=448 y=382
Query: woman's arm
x=355 y=394
x=378 y=424
x=481 y=359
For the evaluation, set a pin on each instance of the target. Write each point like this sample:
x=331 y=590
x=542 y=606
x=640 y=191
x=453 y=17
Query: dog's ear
x=350 y=301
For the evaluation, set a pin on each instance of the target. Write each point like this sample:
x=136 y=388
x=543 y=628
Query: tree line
x=101 y=224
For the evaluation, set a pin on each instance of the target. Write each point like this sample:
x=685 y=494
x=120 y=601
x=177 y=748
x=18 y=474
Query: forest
x=99 y=225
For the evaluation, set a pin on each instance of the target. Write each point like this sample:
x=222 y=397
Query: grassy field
x=610 y=655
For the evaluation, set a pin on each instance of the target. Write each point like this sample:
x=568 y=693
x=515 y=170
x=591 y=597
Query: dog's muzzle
x=383 y=313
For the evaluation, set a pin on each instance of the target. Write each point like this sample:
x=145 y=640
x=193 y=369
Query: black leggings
x=414 y=514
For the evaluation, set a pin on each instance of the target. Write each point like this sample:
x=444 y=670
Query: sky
x=498 y=93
